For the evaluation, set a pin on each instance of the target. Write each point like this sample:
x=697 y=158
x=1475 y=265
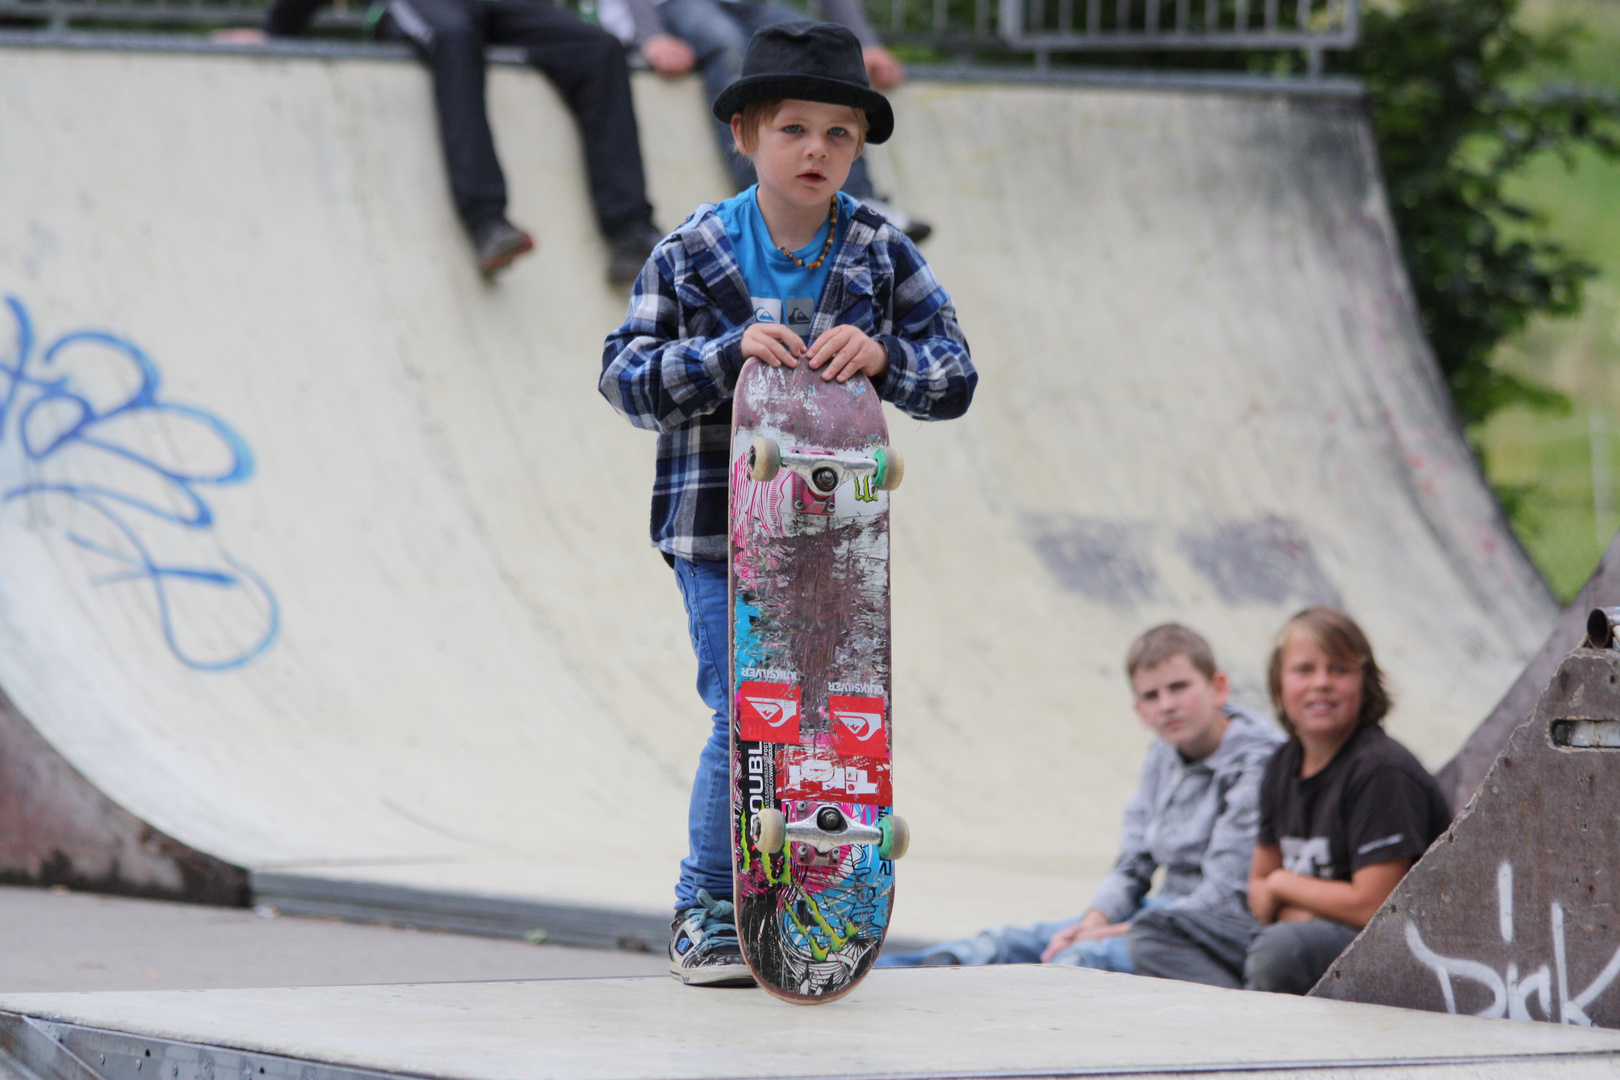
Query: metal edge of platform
x=1329 y=86
x=462 y=913
x=55 y=1050
x=465 y=913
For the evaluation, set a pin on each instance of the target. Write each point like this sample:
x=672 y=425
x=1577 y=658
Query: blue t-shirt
x=782 y=291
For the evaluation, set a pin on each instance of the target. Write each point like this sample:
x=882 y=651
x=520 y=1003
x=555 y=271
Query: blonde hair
x=1336 y=634
x=1170 y=639
x=756 y=114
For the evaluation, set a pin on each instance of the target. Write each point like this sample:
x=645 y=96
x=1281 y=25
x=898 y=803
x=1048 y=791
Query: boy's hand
x=882 y=67
x=844 y=350
x=1094 y=925
x=773 y=343
x=668 y=55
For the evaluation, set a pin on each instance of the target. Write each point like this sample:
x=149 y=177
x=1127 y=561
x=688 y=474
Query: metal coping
x=484 y=916
x=54 y=1050
x=1329 y=86
x=464 y=913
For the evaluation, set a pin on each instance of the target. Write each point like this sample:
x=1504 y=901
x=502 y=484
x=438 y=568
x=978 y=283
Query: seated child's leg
x=1158 y=948
x=707 y=865
x=1006 y=945
x=1288 y=957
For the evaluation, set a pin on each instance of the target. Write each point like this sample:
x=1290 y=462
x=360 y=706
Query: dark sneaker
x=497 y=243
x=703 y=949
x=916 y=231
x=628 y=251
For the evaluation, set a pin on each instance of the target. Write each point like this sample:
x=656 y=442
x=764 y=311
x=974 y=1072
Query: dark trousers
x=584 y=62
x=1289 y=957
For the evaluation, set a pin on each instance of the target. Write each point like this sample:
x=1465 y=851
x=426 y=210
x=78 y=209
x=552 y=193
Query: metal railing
x=1045 y=27
x=1039 y=28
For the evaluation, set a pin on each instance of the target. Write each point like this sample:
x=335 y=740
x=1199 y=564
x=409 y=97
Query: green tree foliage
x=1456 y=114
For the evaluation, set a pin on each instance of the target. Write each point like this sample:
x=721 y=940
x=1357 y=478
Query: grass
x=1545 y=464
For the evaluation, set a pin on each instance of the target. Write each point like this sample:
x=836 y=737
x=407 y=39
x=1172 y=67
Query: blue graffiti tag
x=58 y=420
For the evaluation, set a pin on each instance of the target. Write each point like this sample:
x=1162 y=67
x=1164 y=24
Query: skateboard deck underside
x=810 y=677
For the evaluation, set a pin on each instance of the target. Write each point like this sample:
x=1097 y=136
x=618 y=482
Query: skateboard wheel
x=764 y=459
x=896 y=837
x=891 y=468
x=769 y=831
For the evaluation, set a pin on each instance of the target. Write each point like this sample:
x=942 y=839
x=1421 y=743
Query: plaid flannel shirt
x=673 y=366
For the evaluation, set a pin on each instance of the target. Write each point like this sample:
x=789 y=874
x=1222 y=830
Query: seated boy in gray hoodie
x=1195 y=813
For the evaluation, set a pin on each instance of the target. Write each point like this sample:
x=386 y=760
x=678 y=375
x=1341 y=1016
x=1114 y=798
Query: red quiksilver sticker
x=858 y=726
x=815 y=774
x=768 y=712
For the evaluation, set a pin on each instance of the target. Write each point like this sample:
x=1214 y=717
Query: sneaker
x=497 y=243
x=703 y=949
x=916 y=231
x=628 y=251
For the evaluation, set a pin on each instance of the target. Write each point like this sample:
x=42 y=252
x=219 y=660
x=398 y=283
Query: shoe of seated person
x=916 y=231
x=703 y=948
x=497 y=242
x=628 y=251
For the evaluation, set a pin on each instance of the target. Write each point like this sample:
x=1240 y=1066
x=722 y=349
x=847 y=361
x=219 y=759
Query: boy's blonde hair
x=756 y=114
x=1170 y=639
x=1336 y=634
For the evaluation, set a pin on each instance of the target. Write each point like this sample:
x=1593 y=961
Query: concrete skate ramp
x=322 y=557
x=1461 y=776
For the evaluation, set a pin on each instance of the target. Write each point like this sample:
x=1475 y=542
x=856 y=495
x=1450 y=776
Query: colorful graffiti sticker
x=818 y=776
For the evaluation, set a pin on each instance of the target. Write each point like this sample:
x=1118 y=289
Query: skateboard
x=814 y=836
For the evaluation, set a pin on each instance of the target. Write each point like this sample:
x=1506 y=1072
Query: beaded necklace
x=832 y=231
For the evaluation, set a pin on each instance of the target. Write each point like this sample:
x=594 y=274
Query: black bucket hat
x=807 y=61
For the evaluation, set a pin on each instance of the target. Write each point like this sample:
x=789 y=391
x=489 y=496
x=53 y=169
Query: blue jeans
x=707 y=864
x=718 y=32
x=1024 y=945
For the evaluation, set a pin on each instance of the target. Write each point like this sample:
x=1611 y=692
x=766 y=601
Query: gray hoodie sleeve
x=1122 y=890
x=848 y=13
x=1226 y=861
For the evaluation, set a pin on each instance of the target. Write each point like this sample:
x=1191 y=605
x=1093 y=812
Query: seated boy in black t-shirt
x=1345 y=810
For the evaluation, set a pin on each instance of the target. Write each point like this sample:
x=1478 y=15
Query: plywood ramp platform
x=961 y=1022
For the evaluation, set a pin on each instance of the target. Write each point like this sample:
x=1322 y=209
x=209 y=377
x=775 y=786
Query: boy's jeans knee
x=708 y=861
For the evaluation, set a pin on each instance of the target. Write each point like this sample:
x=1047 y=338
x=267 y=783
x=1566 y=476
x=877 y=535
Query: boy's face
x=804 y=152
x=1321 y=694
x=1177 y=703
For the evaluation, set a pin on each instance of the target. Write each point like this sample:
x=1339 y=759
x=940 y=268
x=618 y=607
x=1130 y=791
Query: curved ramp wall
x=320 y=555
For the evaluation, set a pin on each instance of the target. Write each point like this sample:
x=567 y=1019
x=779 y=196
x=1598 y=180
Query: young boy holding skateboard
x=1195 y=815
x=749 y=278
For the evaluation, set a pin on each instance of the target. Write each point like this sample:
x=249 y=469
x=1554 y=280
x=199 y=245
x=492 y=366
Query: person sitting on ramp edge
x=586 y=64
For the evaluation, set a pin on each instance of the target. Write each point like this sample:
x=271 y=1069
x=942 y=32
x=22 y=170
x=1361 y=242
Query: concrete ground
x=54 y=940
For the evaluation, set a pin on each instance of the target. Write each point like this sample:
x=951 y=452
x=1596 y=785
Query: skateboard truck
x=828 y=828
x=824 y=472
